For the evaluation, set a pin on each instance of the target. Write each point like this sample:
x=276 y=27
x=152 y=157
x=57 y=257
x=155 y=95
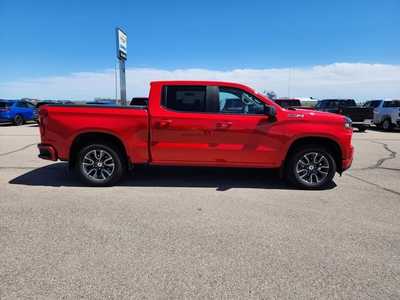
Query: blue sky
x=53 y=38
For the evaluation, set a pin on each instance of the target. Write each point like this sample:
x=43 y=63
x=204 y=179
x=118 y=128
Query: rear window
x=288 y=103
x=185 y=98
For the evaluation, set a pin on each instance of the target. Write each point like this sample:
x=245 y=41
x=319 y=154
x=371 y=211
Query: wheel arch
x=386 y=117
x=331 y=145
x=87 y=138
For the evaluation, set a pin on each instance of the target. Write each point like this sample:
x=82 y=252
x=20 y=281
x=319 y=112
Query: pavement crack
x=374 y=184
x=390 y=169
x=378 y=164
x=17 y=150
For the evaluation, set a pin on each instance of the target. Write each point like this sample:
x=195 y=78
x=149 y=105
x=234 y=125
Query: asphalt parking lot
x=198 y=233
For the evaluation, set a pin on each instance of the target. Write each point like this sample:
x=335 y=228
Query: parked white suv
x=386 y=113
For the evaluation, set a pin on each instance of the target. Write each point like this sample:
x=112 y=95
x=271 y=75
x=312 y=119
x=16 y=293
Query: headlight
x=347 y=123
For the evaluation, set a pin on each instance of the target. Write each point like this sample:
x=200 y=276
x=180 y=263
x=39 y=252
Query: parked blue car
x=17 y=111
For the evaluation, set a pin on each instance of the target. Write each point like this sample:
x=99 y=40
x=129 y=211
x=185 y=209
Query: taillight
x=42 y=121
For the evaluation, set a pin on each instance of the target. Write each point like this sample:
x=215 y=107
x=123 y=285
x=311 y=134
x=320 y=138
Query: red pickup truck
x=197 y=123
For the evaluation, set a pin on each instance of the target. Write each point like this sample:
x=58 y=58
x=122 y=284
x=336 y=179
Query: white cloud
x=355 y=80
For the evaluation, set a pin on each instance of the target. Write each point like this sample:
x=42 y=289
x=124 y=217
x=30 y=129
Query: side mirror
x=269 y=111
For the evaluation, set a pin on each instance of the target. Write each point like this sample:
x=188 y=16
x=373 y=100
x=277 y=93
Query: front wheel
x=311 y=168
x=362 y=129
x=18 y=120
x=100 y=165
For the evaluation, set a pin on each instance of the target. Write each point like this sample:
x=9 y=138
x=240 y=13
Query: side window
x=349 y=103
x=387 y=104
x=236 y=101
x=333 y=104
x=396 y=103
x=185 y=98
x=21 y=104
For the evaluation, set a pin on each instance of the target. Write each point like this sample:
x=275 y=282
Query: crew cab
x=386 y=113
x=362 y=117
x=197 y=123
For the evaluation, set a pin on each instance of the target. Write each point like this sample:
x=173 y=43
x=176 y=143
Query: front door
x=244 y=134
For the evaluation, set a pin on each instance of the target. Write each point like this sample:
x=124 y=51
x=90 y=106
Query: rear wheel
x=387 y=125
x=312 y=167
x=100 y=165
x=18 y=120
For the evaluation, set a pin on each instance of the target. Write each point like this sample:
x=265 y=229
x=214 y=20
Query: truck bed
x=64 y=123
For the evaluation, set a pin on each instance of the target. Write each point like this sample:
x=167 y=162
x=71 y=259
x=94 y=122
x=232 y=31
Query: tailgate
x=358 y=114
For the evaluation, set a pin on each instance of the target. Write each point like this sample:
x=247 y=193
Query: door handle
x=223 y=125
x=164 y=123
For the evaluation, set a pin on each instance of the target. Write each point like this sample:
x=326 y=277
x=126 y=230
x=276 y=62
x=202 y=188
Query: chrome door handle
x=223 y=125
x=164 y=123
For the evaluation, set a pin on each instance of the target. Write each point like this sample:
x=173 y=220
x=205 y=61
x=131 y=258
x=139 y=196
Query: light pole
x=122 y=54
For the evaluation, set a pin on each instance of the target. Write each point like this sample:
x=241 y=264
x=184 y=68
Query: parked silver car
x=386 y=113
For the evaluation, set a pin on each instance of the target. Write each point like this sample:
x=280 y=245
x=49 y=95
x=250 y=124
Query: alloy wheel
x=98 y=165
x=386 y=125
x=18 y=120
x=312 y=168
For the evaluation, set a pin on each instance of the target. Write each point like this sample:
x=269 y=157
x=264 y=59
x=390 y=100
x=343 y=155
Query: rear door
x=180 y=126
x=394 y=111
x=386 y=110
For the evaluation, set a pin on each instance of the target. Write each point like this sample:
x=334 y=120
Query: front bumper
x=47 y=152
x=366 y=122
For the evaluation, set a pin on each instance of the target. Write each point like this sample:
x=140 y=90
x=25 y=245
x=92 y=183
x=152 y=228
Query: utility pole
x=122 y=54
x=122 y=81
x=116 y=82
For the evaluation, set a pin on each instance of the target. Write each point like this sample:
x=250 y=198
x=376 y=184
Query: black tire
x=362 y=129
x=387 y=125
x=18 y=120
x=104 y=174
x=296 y=177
